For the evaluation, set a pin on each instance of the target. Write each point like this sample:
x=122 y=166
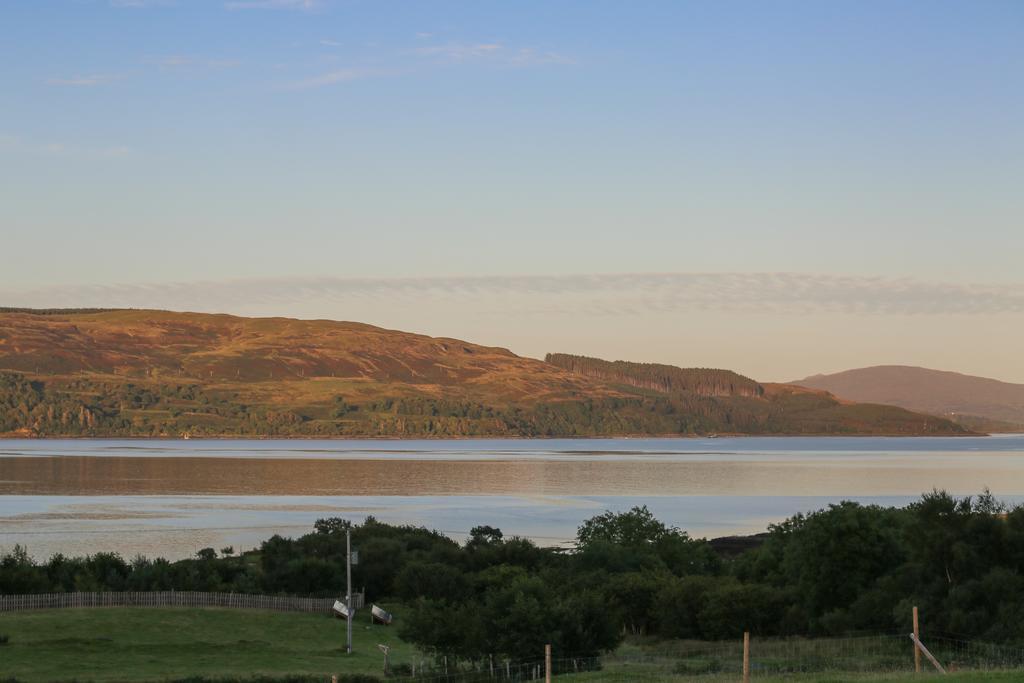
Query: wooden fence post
x=547 y=663
x=917 y=639
x=918 y=645
x=746 y=657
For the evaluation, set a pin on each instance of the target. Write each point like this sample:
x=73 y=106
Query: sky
x=778 y=188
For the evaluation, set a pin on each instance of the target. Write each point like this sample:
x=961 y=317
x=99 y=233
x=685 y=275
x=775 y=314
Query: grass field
x=159 y=644
x=638 y=674
x=141 y=644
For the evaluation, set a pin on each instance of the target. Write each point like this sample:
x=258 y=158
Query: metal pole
x=547 y=663
x=348 y=588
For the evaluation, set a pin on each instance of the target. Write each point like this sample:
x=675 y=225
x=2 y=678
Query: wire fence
x=280 y=603
x=636 y=661
x=769 y=658
x=492 y=669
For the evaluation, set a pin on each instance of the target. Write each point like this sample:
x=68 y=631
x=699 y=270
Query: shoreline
x=619 y=437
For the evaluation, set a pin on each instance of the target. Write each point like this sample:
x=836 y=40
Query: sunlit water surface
x=171 y=498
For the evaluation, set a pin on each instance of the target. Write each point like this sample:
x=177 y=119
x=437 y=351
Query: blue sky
x=148 y=146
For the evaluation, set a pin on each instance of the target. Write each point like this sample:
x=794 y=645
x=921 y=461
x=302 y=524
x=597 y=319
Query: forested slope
x=159 y=373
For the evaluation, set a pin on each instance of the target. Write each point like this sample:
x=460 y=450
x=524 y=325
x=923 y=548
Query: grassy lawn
x=638 y=674
x=142 y=644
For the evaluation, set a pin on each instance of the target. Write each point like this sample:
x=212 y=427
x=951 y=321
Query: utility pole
x=348 y=584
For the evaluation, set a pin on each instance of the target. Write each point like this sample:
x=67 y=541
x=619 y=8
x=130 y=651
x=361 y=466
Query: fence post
x=920 y=646
x=917 y=639
x=547 y=663
x=746 y=657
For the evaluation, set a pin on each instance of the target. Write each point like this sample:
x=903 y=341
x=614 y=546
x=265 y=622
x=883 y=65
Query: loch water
x=172 y=497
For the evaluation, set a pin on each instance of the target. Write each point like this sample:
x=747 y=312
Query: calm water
x=173 y=497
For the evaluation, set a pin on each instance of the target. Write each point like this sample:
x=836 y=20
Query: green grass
x=159 y=644
x=638 y=674
x=875 y=659
x=143 y=644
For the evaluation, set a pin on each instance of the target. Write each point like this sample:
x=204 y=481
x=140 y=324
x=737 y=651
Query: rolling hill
x=977 y=402
x=159 y=373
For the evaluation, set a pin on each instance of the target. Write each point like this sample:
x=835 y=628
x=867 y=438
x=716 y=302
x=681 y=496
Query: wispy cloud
x=182 y=61
x=346 y=75
x=61 y=149
x=273 y=4
x=492 y=51
x=424 y=57
x=85 y=81
x=531 y=57
x=140 y=3
x=460 y=52
x=593 y=295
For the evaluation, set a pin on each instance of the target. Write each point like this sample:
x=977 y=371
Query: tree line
x=664 y=378
x=848 y=567
x=81 y=407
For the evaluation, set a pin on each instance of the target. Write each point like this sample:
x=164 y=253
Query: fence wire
x=282 y=603
x=643 y=661
x=684 y=660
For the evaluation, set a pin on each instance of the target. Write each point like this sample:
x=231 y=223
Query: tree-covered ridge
x=97 y=408
x=160 y=373
x=664 y=378
x=847 y=567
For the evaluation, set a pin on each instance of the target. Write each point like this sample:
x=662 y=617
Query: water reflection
x=835 y=475
x=171 y=498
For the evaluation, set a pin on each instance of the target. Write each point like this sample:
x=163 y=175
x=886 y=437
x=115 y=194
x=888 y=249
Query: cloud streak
x=460 y=52
x=346 y=75
x=593 y=295
x=140 y=3
x=191 y=61
x=273 y=4
x=495 y=52
x=84 y=81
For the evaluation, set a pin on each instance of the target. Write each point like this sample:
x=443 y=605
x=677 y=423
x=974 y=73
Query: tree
x=834 y=555
x=483 y=536
x=331 y=525
x=638 y=527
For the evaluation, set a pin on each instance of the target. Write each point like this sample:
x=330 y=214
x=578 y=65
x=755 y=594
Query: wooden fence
x=10 y=603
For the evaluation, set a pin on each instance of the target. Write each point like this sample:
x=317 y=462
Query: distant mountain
x=978 y=402
x=749 y=407
x=158 y=373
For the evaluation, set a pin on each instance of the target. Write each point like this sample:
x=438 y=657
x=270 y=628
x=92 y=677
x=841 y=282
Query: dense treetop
x=664 y=378
x=848 y=567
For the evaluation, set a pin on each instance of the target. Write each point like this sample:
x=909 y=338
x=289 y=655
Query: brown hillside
x=932 y=391
x=158 y=373
x=225 y=349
